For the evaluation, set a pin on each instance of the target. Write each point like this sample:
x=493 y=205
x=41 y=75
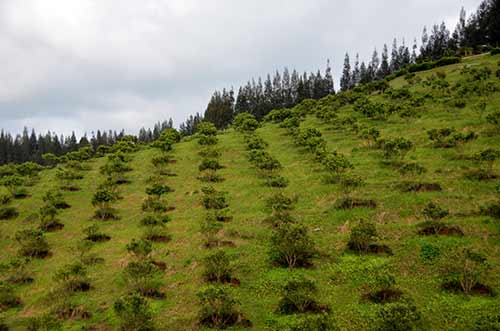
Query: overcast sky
x=109 y=64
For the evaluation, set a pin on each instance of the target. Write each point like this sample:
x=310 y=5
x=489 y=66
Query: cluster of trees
x=480 y=30
x=32 y=146
x=260 y=97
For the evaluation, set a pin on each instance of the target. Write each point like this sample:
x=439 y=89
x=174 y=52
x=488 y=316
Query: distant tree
x=345 y=80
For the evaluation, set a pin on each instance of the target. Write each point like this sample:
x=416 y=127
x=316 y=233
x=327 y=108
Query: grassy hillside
x=448 y=97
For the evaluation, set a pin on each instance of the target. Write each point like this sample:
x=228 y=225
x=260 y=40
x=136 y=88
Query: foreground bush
x=8 y=298
x=143 y=277
x=218 y=308
x=399 y=316
x=73 y=278
x=134 y=313
x=291 y=246
x=217 y=267
x=462 y=269
x=299 y=296
x=32 y=243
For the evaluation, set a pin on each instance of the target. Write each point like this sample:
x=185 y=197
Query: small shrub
x=399 y=316
x=486 y=160
x=154 y=204
x=218 y=308
x=245 y=122
x=210 y=228
x=209 y=153
x=56 y=199
x=44 y=323
x=205 y=140
x=143 y=277
x=140 y=249
x=299 y=296
x=210 y=176
x=217 y=267
x=362 y=236
x=7 y=213
x=73 y=278
x=157 y=234
x=209 y=164
x=92 y=233
x=463 y=268
x=412 y=169
x=32 y=243
x=429 y=253
x=206 y=128
x=254 y=142
x=279 y=202
x=291 y=246
x=434 y=212
x=494 y=118
x=336 y=164
x=8 y=298
x=396 y=147
x=277 y=181
x=213 y=199
x=157 y=190
x=370 y=136
x=102 y=200
x=134 y=313
x=493 y=210
x=155 y=220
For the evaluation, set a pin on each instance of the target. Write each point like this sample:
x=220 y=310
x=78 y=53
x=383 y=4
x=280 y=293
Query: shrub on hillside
x=155 y=220
x=463 y=269
x=8 y=298
x=144 y=278
x=399 y=316
x=291 y=246
x=298 y=297
x=336 y=164
x=102 y=200
x=73 y=278
x=245 y=122
x=219 y=309
x=277 y=181
x=210 y=164
x=370 y=136
x=206 y=140
x=48 y=220
x=217 y=267
x=45 y=322
x=93 y=233
x=486 y=160
x=55 y=198
x=32 y=243
x=206 y=128
x=396 y=147
x=362 y=236
x=134 y=313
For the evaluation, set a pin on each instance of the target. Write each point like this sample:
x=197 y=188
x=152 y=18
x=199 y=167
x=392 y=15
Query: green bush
x=210 y=228
x=144 y=278
x=157 y=234
x=210 y=164
x=362 y=236
x=245 y=122
x=299 y=296
x=291 y=246
x=140 y=249
x=102 y=200
x=158 y=190
x=8 y=298
x=303 y=322
x=399 y=316
x=134 y=313
x=93 y=233
x=254 y=142
x=155 y=220
x=218 y=308
x=463 y=269
x=44 y=323
x=277 y=181
x=434 y=212
x=492 y=209
x=396 y=147
x=495 y=51
x=32 y=243
x=217 y=267
x=7 y=213
x=279 y=202
x=55 y=198
x=73 y=278
x=206 y=128
x=206 y=140
x=213 y=199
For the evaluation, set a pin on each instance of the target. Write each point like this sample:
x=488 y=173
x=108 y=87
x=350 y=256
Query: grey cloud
x=88 y=64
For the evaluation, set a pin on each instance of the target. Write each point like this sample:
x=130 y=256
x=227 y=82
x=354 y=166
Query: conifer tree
x=345 y=80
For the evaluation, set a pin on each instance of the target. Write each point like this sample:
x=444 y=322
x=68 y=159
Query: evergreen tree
x=356 y=75
x=345 y=80
x=384 y=69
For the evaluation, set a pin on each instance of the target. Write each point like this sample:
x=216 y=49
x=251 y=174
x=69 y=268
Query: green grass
x=340 y=275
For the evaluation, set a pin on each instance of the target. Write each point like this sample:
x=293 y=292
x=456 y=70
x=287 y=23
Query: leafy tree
x=291 y=246
x=299 y=296
x=362 y=236
x=134 y=313
x=218 y=308
x=463 y=269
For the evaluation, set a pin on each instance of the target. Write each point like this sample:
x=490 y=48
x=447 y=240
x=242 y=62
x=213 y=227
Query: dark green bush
x=399 y=316
x=245 y=122
x=291 y=246
x=7 y=213
x=206 y=128
x=444 y=61
x=32 y=243
x=277 y=181
x=463 y=268
x=217 y=267
x=433 y=211
x=157 y=234
x=8 y=298
x=158 y=190
x=144 y=278
x=254 y=142
x=210 y=164
x=155 y=220
x=218 y=308
x=134 y=313
x=279 y=202
x=493 y=210
x=213 y=199
x=303 y=322
x=495 y=51
x=92 y=233
x=362 y=236
x=73 y=278
x=140 y=249
x=55 y=198
x=299 y=296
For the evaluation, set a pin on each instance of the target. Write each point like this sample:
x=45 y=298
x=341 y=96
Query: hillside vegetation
x=377 y=208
